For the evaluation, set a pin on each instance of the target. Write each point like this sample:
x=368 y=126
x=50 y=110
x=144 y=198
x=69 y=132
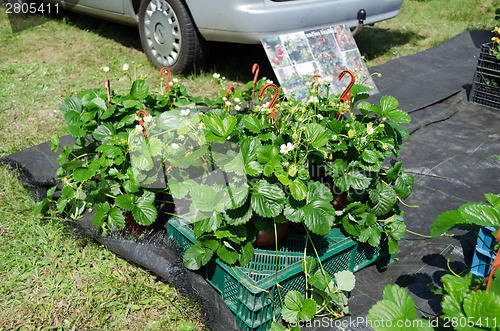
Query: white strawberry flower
x=369 y=128
x=284 y=149
x=313 y=99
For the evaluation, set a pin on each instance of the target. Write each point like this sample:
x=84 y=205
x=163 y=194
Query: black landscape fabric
x=450 y=153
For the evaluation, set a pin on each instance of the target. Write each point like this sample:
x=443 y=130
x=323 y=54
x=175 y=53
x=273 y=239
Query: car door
x=115 y=6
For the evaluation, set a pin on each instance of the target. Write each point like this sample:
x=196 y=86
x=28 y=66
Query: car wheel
x=169 y=36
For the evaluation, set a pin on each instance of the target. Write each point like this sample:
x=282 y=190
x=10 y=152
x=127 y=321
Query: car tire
x=169 y=36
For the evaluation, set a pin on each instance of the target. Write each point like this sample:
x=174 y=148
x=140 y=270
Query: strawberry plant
x=96 y=171
x=468 y=303
x=295 y=156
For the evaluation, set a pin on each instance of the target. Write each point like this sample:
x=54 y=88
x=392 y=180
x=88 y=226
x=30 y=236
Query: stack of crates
x=250 y=291
x=486 y=84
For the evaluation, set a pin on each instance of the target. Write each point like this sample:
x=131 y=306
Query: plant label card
x=297 y=57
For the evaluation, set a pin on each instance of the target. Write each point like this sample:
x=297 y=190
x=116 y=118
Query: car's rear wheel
x=169 y=36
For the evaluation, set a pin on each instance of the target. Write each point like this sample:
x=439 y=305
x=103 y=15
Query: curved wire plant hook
x=169 y=73
x=108 y=91
x=255 y=72
x=315 y=77
x=272 y=103
x=141 y=122
x=229 y=89
x=345 y=97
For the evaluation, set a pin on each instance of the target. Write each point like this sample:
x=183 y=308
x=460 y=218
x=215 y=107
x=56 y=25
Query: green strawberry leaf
x=345 y=280
x=267 y=199
x=196 y=256
x=397 y=305
x=298 y=189
x=404 y=185
x=139 y=89
x=482 y=304
x=317 y=135
x=297 y=308
x=445 y=221
x=228 y=255
x=255 y=124
x=103 y=131
x=144 y=211
x=388 y=103
x=398 y=116
x=71 y=104
x=384 y=198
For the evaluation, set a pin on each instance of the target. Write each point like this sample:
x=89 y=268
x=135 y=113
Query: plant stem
x=418 y=234
x=276 y=263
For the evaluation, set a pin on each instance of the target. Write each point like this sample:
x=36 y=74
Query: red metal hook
x=315 y=77
x=345 y=97
x=272 y=103
x=108 y=90
x=229 y=89
x=255 y=72
x=141 y=123
x=169 y=73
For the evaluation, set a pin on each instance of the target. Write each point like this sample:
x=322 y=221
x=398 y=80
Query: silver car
x=174 y=32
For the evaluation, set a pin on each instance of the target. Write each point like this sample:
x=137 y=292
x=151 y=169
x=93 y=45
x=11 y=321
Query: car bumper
x=247 y=21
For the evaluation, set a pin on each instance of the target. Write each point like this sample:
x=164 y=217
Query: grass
x=423 y=24
x=50 y=278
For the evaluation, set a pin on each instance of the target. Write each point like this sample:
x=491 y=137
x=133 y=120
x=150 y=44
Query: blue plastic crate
x=484 y=253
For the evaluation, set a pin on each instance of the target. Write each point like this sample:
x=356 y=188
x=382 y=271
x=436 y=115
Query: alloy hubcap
x=163 y=32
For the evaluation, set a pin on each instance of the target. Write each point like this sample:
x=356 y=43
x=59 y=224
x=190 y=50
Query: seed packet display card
x=297 y=57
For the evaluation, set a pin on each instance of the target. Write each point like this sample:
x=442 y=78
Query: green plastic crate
x=250 y=291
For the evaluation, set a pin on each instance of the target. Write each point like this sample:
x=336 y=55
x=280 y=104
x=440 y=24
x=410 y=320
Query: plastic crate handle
x=494 y=266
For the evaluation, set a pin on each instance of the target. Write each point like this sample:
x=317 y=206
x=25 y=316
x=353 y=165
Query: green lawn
x=49 y=277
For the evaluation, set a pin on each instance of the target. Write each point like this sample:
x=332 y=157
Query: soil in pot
x=135 y=229
x=267 y=239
